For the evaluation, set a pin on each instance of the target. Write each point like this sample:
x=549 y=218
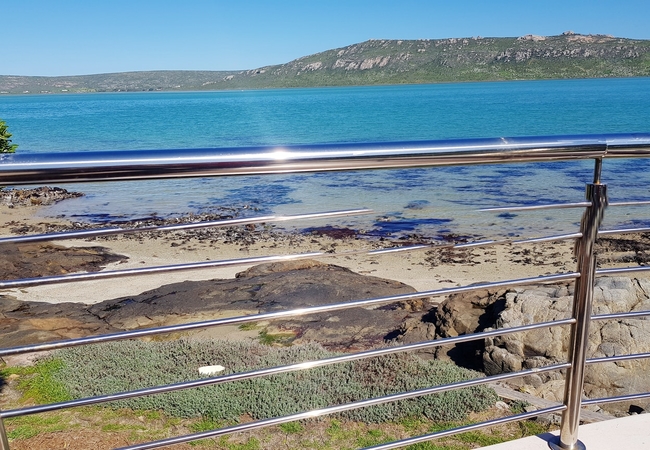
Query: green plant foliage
x=250 y=444
x=5 y=139
x=30 y=426
x=124 y=366
x=39 y=383
x=373 y=437
x=519 y=406
x=532 y=428
x=267 y=338
x=205 y=424
x=475 y=437
x=435 y=446
x=291 y=427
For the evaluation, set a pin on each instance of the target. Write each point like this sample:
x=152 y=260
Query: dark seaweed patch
x=332 y=232
x=259 y=197
x=417 y=204
x=406 y=225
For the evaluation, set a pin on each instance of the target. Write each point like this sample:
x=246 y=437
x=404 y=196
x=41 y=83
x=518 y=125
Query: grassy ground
x=104 y=428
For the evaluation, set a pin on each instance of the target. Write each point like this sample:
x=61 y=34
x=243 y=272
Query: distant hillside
x=389 y=62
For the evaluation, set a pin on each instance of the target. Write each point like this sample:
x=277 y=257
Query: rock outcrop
x=484 y=310
x=44 y=195
x=41 y=260
x=264 y=288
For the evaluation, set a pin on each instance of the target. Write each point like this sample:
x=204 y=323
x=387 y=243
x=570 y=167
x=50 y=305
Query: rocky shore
x=38 y=196
x=346 y=272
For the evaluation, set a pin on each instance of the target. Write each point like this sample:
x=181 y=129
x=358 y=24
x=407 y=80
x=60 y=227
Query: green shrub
x=123 y=366
x=5 y=139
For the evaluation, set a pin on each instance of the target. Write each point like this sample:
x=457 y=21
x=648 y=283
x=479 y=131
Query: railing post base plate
x=556 y=445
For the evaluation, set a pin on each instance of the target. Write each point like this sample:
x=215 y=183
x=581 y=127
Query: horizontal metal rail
x=627 y=146
x=622 y=315
x=617 y=358
x=22 y=168
x=345 y=407
x=281 y=369
x=559 y=206
x=630 y=203
x=622 y=270
x=537 y=207
x=90 y=276
x=623 y=231
x=73 y=167
x=93 y=276
x=467 y=428
x=621 y=398
x=86 y=234
x=278 y=314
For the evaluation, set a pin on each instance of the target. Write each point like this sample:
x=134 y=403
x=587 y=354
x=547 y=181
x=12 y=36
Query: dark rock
x=268 y=288
x=24 y=323
x=37 y=260
x=459 y=314
x=332 y=232
x=631 y=249
x=264 y=288
x=39 y=196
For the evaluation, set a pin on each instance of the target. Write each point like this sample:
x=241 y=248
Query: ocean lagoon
x=431 y=202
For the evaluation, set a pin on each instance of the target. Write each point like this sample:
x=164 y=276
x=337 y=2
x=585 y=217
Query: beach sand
x=424 y=269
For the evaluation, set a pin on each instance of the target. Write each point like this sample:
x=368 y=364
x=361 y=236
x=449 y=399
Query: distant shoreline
x=190 y=91
x=385 y=63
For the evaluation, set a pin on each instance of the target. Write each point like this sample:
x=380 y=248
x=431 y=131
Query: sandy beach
x=424 y=269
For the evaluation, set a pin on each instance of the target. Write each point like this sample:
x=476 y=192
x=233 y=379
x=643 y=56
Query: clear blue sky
x=75 y=37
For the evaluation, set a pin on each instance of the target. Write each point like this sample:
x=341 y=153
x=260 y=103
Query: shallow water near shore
x=433 y=202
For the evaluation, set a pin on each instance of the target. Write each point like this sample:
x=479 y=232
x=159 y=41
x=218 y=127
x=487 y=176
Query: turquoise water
x=430 y=201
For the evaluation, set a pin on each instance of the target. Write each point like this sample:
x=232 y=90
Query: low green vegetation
x=113 y=367
x=40 y=383
x=135 y=364
x=248 y=326
x=267 y=338
x=30 y=426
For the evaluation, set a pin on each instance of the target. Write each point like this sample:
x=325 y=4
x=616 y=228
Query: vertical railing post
x=582 y=301
x=4 y=441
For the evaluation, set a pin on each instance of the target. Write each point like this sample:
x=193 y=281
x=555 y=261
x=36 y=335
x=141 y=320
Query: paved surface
x=630 y=433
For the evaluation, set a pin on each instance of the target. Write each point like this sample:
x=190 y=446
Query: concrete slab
x=631 y=433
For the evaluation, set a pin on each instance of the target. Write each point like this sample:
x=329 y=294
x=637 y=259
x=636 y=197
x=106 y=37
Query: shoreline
x=424 y=269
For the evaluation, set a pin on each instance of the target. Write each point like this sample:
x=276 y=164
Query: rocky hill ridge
x=375 y=62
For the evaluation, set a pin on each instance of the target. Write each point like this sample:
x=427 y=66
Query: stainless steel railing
x=129 y=165
x=20 y=169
